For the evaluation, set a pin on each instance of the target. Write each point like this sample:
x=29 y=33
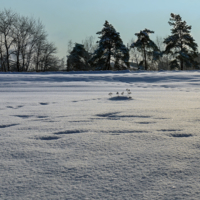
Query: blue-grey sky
x=78 y=19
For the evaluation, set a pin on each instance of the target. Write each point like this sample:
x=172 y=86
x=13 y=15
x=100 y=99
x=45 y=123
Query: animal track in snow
x=145 y=122
x=23 y=116
x=49 y=138
x=170 y=130
x=8 y=125
x=44 y=104
x=17 y=107
x=69 y=132
x=178 y=135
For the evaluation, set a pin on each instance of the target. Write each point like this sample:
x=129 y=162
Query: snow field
x=63 y=137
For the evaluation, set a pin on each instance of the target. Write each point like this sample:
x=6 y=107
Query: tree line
x=24 y=45
x=177 y=51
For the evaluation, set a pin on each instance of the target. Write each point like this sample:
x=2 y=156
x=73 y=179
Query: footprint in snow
x=48 y=138
x=44 y=104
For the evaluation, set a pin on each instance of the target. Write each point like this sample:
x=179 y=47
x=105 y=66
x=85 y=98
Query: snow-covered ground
x=63 y=137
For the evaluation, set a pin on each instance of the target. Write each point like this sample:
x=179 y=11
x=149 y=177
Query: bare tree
x=27 y=35
x=61 y=64
x=7 y=19
x=22 y=31
x=23 y=42
x=90 y=44
x=24 y=45
x=48 y=52
x=135 y=57
x=164 y=60
x=69 y=47
x=36 y=37
x=39 y=47
x=2 y=55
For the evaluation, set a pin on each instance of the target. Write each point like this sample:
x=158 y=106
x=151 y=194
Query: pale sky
x=78 y=19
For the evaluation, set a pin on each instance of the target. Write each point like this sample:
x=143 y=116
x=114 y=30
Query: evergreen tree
x=181 y=44
x=78 y=59
x=110 y=47
x=146 y=47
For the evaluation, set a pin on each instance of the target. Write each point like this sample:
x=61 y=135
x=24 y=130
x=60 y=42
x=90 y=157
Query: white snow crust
x=63 y=137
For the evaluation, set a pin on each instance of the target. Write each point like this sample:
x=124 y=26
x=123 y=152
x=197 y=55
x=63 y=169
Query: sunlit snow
x=65 y=136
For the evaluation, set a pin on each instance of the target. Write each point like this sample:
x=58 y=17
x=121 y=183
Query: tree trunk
x=108 y=60
x=18 y=65
x=181 y=64
x=145 y=60
x=7 y=59
x=181 y=60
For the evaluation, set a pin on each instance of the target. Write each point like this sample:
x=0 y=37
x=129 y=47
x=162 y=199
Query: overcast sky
x=78 y=19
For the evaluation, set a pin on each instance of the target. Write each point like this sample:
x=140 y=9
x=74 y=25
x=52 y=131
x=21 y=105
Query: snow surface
x=63 y=137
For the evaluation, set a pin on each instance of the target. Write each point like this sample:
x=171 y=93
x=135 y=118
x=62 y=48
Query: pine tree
x=78 y=59
x=146 y=47
x=110 y=47
x=181 y=44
